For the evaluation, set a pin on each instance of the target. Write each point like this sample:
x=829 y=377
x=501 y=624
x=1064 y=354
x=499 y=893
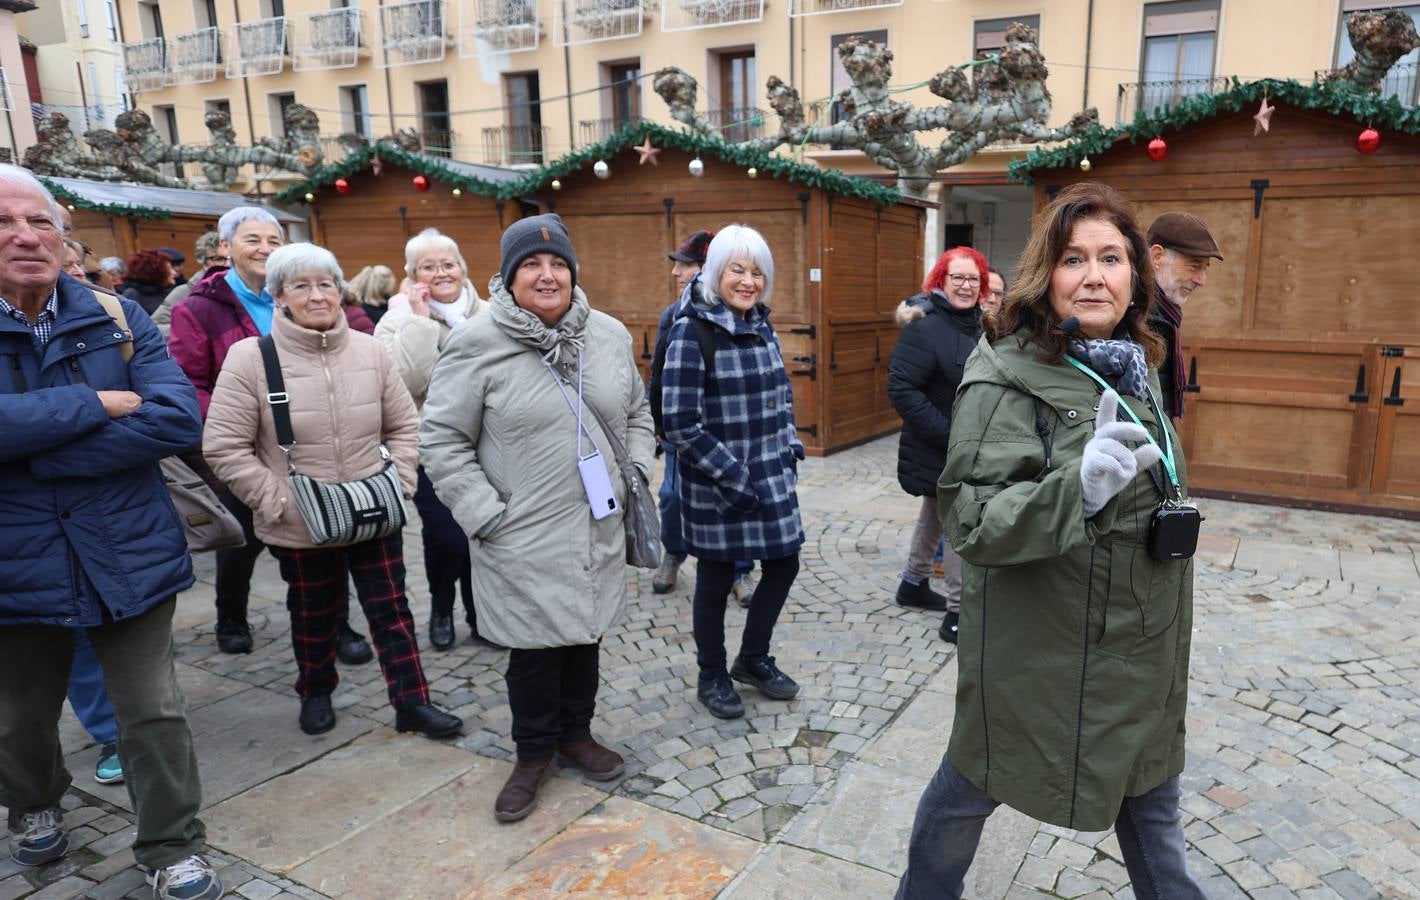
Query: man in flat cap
x=1180 y=248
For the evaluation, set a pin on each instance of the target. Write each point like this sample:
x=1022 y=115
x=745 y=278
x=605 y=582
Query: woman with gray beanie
x=513 y=440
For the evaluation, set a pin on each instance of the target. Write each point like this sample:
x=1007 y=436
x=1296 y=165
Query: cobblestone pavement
x=1303 y=777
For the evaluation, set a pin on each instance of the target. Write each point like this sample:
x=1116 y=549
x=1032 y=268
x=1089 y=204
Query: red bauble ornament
x=1158 y=149
x=1368 y=141
x=421 y=183
x=342 y=186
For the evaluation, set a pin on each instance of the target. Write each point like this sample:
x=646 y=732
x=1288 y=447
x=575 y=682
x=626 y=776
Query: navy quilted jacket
x=85 y=519
x=734 y=435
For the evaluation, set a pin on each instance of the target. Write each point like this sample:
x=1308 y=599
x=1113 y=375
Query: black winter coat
x=923 y=375
x=146 y=294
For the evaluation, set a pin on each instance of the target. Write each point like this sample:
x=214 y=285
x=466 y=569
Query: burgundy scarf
x=1172 y=313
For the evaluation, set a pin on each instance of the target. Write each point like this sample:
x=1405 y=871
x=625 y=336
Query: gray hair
x=207 y=245
x=233 y=218
x=290 y=260
x=19 y=176
x=114 y=266
x=737 y=242
x=431 y=240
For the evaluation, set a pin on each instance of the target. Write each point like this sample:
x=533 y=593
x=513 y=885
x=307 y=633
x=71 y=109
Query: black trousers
x=235 y=564
x=713 y=580
x=447 y=559
x=553 y=693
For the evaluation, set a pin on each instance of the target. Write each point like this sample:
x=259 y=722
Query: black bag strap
x=705 y=337
x=276 y=392
x=1042 y=429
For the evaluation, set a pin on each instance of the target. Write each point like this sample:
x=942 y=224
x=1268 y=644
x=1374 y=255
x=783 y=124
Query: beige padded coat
x=346 y=399
x=415 y=341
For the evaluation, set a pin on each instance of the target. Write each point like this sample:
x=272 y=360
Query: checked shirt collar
x=43 y=326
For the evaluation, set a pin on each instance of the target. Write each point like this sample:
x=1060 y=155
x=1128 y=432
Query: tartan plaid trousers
x=316 y=589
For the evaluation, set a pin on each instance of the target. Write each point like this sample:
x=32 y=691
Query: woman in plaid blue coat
x=729 y=416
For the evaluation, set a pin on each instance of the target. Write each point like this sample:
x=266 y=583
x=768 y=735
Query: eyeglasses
x=310 y=289
x=443 y=268
x=999 y=295
x=959 y=280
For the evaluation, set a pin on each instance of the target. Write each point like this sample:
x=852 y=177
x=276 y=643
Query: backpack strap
x=114 y=307
x=1042 y=429
x=705 y=337
x=276 y=396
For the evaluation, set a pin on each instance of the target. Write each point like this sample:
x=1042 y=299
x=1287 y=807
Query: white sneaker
x=188 y=879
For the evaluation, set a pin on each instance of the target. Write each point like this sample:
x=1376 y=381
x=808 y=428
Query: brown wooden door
x=1397 y=462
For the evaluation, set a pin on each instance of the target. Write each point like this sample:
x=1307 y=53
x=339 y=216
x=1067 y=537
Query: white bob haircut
x=292 y=260
x=427 y=242
x=233 y=218
x=14 y=176
x=738 y=242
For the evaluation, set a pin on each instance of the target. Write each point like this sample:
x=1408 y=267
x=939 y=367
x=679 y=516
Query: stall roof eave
x=478 y=179
x=123 y=198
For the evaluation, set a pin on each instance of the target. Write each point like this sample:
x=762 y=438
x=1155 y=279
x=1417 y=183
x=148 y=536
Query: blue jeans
x=87 y=693
x=952 y=811
x=672 y=538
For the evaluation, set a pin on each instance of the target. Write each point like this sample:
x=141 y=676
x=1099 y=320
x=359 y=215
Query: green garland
x=1336 y=97
x=66 y=196
x=631 y=135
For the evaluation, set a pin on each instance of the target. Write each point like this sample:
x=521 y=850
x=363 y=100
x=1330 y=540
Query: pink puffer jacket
x=204 y=328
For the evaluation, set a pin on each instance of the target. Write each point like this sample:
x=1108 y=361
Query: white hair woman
x=436 y=297
x=346 y=402
x=730 y=418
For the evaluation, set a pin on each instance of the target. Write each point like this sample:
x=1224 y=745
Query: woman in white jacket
x=437 y=296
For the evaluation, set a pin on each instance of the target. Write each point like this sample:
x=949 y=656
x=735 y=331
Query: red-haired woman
x=942 y=326
x=150 y=277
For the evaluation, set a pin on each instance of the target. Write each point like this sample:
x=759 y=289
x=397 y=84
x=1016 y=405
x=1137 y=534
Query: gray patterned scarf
x=1122 y=360
x=559 y=344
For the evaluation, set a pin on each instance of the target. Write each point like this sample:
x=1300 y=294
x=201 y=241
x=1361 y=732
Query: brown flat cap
x=1185 y=233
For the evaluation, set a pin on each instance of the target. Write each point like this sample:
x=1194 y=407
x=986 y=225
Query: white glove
x=1108 y=466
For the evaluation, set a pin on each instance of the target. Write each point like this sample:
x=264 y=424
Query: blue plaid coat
x=733 y=432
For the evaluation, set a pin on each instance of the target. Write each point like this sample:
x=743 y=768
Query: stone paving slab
x=1276 y=557
x=865 y=817
x=626 y=849
x=785 y=872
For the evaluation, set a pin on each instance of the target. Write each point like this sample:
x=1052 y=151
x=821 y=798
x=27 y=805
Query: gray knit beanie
x=536 y=234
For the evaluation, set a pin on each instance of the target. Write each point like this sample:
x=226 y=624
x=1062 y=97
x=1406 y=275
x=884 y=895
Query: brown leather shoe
x=595 y=761
x=519 y=794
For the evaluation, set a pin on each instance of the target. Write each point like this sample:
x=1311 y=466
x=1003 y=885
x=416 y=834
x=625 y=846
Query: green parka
x=1074 y=642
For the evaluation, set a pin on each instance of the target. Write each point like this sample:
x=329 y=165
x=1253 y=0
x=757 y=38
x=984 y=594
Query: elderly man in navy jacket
x=89 y=539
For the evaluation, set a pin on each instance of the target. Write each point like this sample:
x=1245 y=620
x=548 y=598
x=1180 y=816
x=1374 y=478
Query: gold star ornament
x=1262 y=119
x=647 y=153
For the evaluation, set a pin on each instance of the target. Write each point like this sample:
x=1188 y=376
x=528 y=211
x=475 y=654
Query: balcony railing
x=194 y=57
x=507 y=145
x=412 y=33
x=738 y=123
x=507 y=26
x=257 y=48
x=328 y=39
x=439 y=141
x=821 y=7
x=1158 y=96
x=145 y=66
x=1402 y=82
x=590 y=21
x=684 y=15
x=594 y=131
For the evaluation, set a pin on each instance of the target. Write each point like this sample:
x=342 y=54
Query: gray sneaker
x=186 y=879
x=39 y=839
x=743 y=589
x=665 y=578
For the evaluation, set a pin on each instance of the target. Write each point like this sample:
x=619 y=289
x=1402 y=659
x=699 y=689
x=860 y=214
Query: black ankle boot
x=317 y=716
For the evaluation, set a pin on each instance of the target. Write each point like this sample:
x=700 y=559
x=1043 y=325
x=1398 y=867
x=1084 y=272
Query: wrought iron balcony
x=684 y=15
x=412 y=32
x=738 y=123
x=1158 y=96
x=506 y=145
x=1401 y=82
x=257 y=48
x=508 y=26
x=328 y=39
x=194 y=57
x=594 y=131
x=439 y=141
x=145 y=66
x=821 y=7
x=589 y=21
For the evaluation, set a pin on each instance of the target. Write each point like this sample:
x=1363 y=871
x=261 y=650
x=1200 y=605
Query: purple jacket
x=205 y=326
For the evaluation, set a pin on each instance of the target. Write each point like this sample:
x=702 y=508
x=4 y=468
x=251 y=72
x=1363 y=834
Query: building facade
x=523 y=81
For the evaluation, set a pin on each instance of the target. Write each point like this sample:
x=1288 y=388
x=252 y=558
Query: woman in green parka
x=1074 y=640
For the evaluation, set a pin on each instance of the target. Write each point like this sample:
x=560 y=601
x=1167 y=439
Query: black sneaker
x=39 y=837
x=920 y=596
x=441 y=632
x=948 y=631
x=720 y=697
x=233 y=636
x=351 y=647
x=317 y=715
x=763 y=674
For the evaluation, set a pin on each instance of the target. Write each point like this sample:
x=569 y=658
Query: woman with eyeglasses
x=923 y=374
x=346 y=402
x=437 y=296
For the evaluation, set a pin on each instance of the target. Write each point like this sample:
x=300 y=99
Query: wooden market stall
x=846 y=250
x=118 y=219
x=1303 y=349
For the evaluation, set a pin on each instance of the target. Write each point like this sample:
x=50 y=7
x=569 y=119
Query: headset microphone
x=1070 y=326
